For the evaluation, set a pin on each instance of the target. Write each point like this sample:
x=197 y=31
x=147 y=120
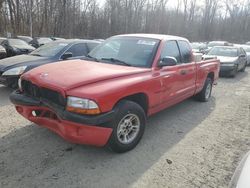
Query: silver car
x=247 y=50
x=241 y=177
x=232 y=58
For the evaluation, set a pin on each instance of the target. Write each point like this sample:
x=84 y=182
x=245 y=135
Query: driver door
x=172 y=80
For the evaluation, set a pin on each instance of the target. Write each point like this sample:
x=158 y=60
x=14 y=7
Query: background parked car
x=2 y=39
x=248 y=43
x=212 y=44
x=39 y=41
x=57 y=38
x=247 y=50
x=233 y=59
x=12 y=68
x=241 y=176
x=3 y=53
x=16 y=47
x=199 y=47
x=25 y=38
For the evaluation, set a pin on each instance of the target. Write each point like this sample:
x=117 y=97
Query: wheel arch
x=139 y=98
x=211 y=75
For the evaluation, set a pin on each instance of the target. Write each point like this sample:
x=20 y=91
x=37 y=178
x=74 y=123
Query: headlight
x=15 y=71
x=82 y=106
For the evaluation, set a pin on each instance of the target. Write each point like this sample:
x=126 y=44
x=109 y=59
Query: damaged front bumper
x=80 y=129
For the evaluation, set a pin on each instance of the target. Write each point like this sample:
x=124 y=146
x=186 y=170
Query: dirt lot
x=189 y=145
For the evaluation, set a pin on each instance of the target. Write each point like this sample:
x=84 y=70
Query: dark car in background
x=12 y=68
x=16 y=47
x=39 y=41
x=3 y=53
x=232 y=58
x=25 y=38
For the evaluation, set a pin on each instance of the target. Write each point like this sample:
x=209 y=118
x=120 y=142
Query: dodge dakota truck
x=105 y=98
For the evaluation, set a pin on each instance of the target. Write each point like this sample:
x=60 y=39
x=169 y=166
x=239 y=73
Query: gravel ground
x=189 y=145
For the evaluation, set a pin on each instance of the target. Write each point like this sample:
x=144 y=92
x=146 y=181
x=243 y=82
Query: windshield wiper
x=116 y=60
x=92 y=58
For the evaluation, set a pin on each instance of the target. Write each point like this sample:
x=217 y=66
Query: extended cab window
x=171 y=49
x=78 y=50
x=186 y=51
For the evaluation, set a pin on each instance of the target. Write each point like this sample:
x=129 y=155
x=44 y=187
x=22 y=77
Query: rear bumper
x=72 y=127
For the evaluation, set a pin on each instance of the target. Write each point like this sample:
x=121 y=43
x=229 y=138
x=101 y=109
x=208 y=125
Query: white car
x=241 y=177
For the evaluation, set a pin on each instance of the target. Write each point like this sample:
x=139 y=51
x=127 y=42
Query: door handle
x=183 y=72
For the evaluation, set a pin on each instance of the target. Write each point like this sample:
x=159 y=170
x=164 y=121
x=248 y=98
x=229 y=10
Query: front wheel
x=205 y=93
x=128 y=126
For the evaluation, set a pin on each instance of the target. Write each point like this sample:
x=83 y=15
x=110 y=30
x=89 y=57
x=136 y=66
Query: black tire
x=244 y=68
x=123 y=109
x=202 y=96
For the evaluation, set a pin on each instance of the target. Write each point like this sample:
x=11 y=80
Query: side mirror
x=242 y=55
x=167 y=61
x=67 y=55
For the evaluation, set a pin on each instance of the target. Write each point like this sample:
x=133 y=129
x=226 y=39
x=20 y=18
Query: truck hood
x=75 y=73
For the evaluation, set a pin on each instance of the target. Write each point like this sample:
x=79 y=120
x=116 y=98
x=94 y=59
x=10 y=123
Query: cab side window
x=186 y=52
x=171 y=49
x=78 y=50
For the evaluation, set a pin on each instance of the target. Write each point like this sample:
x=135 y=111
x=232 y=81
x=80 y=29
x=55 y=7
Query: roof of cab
x=154 y=36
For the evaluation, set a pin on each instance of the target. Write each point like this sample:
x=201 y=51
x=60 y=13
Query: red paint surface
x=72 y=132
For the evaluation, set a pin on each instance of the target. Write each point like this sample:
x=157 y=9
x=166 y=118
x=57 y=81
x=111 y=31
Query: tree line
x=198 y=20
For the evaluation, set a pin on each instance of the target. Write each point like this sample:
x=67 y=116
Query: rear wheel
x=128 y=126
x=205 y=93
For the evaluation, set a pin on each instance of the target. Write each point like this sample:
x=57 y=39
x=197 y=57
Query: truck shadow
x=35 y=157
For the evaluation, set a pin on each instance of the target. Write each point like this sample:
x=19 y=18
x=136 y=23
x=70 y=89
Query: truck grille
x=34 y=91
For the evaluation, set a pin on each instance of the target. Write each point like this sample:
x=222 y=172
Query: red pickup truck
x=105 y=98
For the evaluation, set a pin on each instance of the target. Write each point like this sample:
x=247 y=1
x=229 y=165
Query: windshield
x=17 y=42
x=246 y=48
x=49 y=50
x=44 y=40
x=223 y=51
x=133 y=51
